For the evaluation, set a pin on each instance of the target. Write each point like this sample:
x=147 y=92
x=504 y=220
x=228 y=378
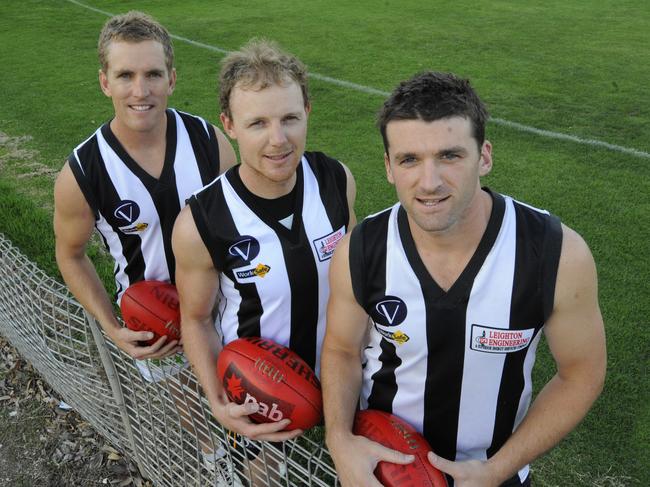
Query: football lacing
x=269 y=370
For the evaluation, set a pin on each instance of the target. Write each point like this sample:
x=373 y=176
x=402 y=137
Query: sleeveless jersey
x=457 y=364
x=134 y=211
x=273 y=280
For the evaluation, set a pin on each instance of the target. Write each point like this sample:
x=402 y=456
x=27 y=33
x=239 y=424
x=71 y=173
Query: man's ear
x=389 y=172
x=226 y=121
x=172 y=81
x=103 y=83
x=485 y=162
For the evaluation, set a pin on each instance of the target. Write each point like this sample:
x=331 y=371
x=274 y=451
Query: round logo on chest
x=389 y=311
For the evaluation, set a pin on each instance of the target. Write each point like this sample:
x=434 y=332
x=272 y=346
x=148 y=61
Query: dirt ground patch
x=45 y=445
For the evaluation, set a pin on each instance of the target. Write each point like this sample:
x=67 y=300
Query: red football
x=261 y=371
x=152 y=306
x=393 y=432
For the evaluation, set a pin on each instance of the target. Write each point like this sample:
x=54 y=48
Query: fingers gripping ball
x=260 y=371
x=152 y=306
x=397 y=434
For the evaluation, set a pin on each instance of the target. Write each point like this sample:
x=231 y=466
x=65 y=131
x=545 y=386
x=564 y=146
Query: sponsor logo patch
x=244 y=276
x=140 y=227
x=398 y=336
x=499 y=340
x=325 y=246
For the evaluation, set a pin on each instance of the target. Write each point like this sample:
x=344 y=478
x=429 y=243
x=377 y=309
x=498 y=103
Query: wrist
x=498 y=470
x=334 y=437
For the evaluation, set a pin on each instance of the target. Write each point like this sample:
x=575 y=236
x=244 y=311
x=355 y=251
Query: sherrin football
x=397 y=434
x=152 y=306
x=259 y=370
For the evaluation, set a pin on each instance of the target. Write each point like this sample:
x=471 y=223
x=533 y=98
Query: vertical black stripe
x=446 y=345
x=551 y=252
x=303 y=282
x=89 y=151
x=526 y=312
x=357 y=263
x=332 y=183
x=205 y=146
x=250 y=310
x=384 y=381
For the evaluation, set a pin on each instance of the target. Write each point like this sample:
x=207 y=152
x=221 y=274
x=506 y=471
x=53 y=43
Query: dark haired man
x=459 y=282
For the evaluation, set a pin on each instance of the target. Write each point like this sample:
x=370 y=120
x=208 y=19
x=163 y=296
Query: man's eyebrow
x=452 y=150
x=402 y=155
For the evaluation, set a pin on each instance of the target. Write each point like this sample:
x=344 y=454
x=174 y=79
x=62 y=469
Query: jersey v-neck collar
x=461 y=288
x=293 y=235
x=147 y=179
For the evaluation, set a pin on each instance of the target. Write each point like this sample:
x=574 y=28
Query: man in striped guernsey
x=459 y=282
x=262 y=234
x=130 y=179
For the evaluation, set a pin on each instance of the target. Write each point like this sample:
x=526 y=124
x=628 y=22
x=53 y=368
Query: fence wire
x=163 y=426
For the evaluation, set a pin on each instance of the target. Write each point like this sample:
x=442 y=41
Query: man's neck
x=446 y=254
x=263 y=187
x=135 y=141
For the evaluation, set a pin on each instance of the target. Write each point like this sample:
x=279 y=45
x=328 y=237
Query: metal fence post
x=114 y=381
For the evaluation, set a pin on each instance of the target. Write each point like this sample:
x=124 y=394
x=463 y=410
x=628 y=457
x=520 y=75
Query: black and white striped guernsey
x=134 y=211
x=456 y=364
x=273 y=280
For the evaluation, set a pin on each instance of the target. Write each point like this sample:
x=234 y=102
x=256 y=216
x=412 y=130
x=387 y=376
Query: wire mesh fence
x=166 y=426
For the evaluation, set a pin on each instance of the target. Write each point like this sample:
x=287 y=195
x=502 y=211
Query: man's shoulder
x=89 y=143
x=375 y=224
x=193 y=122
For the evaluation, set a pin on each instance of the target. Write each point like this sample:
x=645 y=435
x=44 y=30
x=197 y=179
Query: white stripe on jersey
x=248 y=223
x=183 y=160
x=129 y=187
x=482 y=371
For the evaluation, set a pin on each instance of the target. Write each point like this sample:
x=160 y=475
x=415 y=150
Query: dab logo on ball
x=241 y=391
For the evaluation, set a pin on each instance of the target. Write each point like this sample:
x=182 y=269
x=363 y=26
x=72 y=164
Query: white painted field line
x=373 y=91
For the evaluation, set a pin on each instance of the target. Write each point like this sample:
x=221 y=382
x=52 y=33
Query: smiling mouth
x=141 y=108
x=278 y=157
x=432 y=202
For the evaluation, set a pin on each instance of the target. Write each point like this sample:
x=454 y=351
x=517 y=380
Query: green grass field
x=574 y=68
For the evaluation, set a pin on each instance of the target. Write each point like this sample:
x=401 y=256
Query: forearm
x=558 y=408
x=341 y=381
x=81 y=278
x=202 y=345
